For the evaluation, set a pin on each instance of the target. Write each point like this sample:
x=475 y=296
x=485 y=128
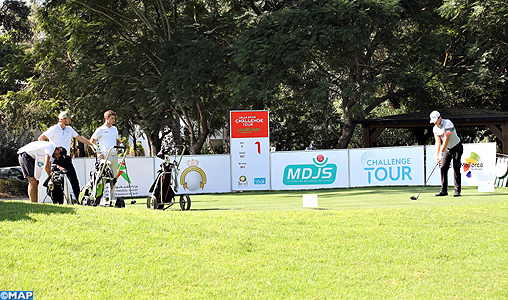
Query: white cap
x=434 y=116
x=64 y=114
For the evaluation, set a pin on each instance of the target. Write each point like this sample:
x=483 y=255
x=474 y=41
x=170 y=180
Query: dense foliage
x=176 y=69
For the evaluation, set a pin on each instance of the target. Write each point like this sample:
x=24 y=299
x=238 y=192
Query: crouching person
x=33 y=158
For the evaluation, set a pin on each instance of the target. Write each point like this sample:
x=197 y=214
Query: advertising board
x=316 y=169
x=386 y=166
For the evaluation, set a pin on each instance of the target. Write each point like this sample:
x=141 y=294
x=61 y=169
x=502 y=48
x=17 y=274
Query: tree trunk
x=154 y=143
x=347 y=133
x=134 y=146
x=203 y=132
x=175 y=128
x=80 y=149
x=349 y=127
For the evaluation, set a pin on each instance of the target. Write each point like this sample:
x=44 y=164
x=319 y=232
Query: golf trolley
x=92 y=193
x=164 y=188
x=57 y=186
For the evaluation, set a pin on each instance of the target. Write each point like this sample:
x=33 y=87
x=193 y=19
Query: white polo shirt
x=447 y=127
x=107 y=137
x=38 y=151
x=61 y=137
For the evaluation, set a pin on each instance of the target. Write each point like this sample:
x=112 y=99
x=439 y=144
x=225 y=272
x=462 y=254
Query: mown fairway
x=363 y=243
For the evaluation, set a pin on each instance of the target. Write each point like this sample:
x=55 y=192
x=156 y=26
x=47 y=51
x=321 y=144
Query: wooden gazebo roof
x=497 y=122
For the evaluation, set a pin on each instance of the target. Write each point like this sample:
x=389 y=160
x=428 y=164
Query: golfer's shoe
x=441 y=194
x=456 y=194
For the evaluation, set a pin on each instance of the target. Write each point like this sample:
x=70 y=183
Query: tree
x=353 y=54
x=478 y=54
x=159 y=65
x=14 y=20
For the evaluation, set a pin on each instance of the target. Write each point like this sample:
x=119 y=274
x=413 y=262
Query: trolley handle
x=181 y=154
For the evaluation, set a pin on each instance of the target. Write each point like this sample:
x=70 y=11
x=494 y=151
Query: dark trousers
x=66 y=163
x=454 y=154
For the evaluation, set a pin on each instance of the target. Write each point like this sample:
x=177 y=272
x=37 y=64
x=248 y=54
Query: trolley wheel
x=151 y=202
x=185 y=202
x=120 y=203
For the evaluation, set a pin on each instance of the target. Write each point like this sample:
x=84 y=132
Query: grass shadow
x=21 y=210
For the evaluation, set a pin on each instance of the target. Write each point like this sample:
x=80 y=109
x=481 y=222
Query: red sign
x=249 y=124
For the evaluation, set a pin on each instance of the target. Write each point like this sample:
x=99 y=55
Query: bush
x=140 y=151
x=13 y=187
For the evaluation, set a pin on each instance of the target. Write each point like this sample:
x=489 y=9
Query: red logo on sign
x=249 y=124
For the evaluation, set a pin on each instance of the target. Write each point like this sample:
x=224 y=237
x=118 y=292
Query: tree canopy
x=177 y=68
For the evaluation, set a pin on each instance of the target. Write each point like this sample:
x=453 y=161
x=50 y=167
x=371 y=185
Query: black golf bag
x=163 y=181
x=55 y=185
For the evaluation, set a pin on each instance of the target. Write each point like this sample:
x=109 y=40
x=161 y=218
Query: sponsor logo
x=383 y=169
x=320 y=172
x=193 y=178
x=242 y=180
x=248 y=130
x=259 y=180
x=473 y=163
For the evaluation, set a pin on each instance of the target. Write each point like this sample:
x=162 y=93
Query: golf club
x=424 y=184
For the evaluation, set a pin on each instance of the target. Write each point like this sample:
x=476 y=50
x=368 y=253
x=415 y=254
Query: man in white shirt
x=107 y=136
x=448 y=148
x=62 y=134
x=33 y=158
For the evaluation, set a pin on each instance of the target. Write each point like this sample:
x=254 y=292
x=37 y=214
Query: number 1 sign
x=250 y=147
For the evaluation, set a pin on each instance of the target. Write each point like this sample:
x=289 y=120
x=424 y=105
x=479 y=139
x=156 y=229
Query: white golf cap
x=64 y=114
x=434 y=116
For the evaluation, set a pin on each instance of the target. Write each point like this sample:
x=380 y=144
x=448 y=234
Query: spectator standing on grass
x=33 y=158
x=107 y=136
x=62 y=134
x=448 y=148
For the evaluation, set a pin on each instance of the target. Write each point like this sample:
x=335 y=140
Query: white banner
x=203 y=174
x=295 y=170
x=317 y=169
x=478 y=163
x=386 y=166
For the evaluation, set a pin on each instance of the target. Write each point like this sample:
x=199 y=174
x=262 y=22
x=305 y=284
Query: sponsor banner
x=317 y=169
x=249 y=124
x=203 y=174
x=250 y=150
x=386 y=166
x=478 y=164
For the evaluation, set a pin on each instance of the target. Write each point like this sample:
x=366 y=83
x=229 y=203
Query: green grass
x=364 y=243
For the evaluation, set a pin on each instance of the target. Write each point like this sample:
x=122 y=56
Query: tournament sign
x=250 y=150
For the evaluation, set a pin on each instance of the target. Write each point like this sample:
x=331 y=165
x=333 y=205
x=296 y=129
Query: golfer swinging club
x=448 y=148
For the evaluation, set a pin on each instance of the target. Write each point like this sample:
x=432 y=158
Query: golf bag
x=165 y=186
x=92 y=193
x=163 y=181
x=57 y=185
